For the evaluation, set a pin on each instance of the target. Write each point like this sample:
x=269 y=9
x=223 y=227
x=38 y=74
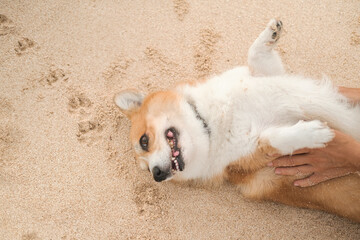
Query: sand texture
x=67 y=170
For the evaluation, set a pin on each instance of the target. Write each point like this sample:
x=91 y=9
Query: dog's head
x=167 y=138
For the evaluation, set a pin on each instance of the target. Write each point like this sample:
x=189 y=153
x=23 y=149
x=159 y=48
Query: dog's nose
x=158 y=174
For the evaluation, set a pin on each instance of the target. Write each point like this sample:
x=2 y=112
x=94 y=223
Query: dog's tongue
x=170 y=134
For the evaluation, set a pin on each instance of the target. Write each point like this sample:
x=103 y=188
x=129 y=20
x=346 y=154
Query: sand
x=67 y=170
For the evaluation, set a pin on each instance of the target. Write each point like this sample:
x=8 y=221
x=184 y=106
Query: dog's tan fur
x=258 y=182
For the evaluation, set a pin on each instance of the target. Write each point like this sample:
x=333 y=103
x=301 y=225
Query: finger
x=290 y=161
x=301 y=151
x=310 y=181
x=294 y=171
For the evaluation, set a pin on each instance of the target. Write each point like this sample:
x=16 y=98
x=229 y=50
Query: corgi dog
x=229 y=126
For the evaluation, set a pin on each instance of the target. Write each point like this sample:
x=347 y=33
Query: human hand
x=339 y=158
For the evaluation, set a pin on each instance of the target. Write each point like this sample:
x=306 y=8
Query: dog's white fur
x=243 y=107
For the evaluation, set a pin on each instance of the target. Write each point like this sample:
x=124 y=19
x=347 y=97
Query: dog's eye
x=144 y=142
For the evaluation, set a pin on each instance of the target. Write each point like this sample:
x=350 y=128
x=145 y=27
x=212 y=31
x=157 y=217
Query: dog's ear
x=129 y=101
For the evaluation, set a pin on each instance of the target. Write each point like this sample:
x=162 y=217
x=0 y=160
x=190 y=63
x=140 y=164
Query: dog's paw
x=304 y=134
x=314 y=133
x=273 y=31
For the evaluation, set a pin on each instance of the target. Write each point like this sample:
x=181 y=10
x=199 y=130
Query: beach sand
x=67 y=170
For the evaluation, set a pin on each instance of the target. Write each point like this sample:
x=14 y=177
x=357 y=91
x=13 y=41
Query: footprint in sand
x=8 y=140
x=5 y=108
x=47 y=79
x=54 y=76
x=30 y=236
x=355 y=38
x=355 y=35
x=9 y=133
x=149 y=200
x=161 y=63
x=181 y=8
x=204 y=52
x=6 y=25
x=88 y=131
x=89 y=128
x=23 y=46
x=116 y=72
x=77 y=102
x=114 y=137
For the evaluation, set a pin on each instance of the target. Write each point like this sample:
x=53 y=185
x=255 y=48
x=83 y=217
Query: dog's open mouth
x=177 y=163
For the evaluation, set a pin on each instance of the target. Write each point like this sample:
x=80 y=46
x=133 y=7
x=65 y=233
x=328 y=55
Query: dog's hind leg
x=304 y=134
x=284 y=140
x=263 y=60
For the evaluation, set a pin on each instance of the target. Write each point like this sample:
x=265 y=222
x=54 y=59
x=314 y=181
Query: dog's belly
x=340 y=196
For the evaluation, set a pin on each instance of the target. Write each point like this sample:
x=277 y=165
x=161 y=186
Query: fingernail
x=270 y=164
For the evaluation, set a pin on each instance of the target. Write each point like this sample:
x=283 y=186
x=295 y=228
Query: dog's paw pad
x=274 y=28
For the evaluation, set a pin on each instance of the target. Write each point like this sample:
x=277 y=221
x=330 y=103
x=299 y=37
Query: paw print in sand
x=149 y=200
x=87 y=131
x=6 y=25
x=23 y=46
